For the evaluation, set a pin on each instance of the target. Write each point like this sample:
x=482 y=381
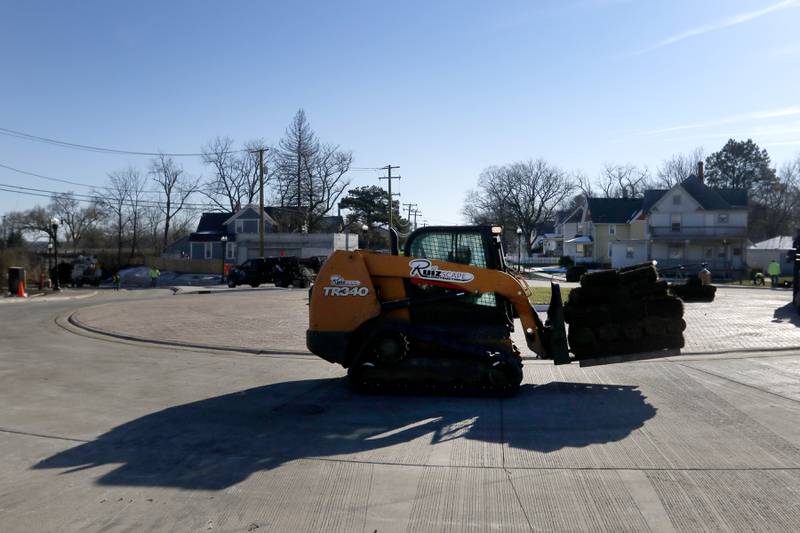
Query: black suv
x=252 y=272
x=282 y=271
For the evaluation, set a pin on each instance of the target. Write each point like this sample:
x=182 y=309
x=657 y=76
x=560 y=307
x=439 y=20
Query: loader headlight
x=497 y=230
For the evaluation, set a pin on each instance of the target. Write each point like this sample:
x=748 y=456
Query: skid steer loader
x=437 y=318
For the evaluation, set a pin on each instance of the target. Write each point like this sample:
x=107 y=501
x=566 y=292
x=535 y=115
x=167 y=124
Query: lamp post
x=224 y=241
x=519 y=249
x=49 y=259
x=365 y=231
x=54 y=223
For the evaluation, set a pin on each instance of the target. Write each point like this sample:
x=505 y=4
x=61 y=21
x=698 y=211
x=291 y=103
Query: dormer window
x=240 y=226
x=612 y=230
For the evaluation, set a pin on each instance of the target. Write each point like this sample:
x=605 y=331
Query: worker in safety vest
x=154 y=274
x=774 y=270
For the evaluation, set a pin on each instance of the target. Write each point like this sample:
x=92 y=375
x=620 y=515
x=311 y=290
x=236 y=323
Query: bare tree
x=678 y=167
x=522 y=194
x=114 y=202
x=152 y=218
x=175 y=188
x=36 y=220
x=76 y=219
x=777 y=209
x=309 y=176
x=622 y=181
x=235 y=182
x=136 y=205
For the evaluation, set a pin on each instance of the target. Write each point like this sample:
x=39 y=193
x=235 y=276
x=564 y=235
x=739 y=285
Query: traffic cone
x=21 y=289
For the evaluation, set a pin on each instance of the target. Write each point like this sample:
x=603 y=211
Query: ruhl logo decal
x=339 y=281
x=424 y=269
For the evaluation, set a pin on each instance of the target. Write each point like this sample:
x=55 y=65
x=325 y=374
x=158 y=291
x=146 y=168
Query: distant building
x=779 y=249
x=242 y=237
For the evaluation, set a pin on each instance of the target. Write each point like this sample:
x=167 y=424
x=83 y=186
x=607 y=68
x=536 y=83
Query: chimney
x=700 y=171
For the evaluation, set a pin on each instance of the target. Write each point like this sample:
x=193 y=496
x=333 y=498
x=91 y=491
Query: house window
x=675 y=221
x=629 y=252
x=230 y=250
x=675 y=251
x=208 y=251
x=580 y=229
x=612 y=230
x=609 y=249
x=676 y=200
x=722 y=218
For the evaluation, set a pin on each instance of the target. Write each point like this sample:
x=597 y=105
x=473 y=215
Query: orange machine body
x=356 y=287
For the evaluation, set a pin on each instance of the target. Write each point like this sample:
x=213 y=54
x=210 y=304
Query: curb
x=41 y=297
x=73 y=320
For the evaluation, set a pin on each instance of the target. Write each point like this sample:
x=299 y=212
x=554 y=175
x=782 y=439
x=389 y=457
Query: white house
x=240 y=231
x=687 y=225
x=779 y=249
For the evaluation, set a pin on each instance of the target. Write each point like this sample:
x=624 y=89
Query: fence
x=194 y=266
x=533 y=261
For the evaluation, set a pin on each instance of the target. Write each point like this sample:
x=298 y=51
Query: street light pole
x=519 y=249
x=224 y=241
x=54 y=226
x=365 y=230
x=49 y=259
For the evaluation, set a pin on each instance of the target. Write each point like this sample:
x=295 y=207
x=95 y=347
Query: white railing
x=680 y=232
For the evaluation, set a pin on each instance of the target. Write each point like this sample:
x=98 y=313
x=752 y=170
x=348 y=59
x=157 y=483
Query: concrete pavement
x=101 y=435
x=266 y=319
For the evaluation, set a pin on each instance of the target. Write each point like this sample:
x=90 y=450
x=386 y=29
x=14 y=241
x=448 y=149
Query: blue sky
x=443 y=89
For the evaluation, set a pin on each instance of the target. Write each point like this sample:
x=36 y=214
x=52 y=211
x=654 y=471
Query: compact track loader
x=438 y=317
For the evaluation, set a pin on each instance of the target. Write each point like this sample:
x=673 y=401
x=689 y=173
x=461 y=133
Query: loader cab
x=478 y=246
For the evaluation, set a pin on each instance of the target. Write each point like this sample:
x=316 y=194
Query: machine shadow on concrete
x=215 y=443
x=787 y=313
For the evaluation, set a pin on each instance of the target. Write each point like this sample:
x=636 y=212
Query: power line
x=99 y=149
x=63 y=180
x=94 y=197
x=118 y=151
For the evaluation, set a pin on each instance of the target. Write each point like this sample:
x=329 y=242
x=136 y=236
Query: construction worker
x=154 y=274
x=705 y=275
x=115 y=279
x=774 y=271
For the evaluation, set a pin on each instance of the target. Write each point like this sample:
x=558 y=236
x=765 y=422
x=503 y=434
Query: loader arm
x=473 y=280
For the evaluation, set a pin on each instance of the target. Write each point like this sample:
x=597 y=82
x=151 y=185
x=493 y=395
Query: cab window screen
x=463 y=248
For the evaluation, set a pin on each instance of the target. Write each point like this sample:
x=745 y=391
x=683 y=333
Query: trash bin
x=15 y=275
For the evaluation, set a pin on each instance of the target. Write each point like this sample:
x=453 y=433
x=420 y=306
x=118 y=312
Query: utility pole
x=409 y=206
x=389 y=178
x=260 y=200
x=416 y=212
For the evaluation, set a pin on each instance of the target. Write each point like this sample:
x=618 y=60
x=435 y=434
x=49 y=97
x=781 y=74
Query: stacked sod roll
x=616 y=312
